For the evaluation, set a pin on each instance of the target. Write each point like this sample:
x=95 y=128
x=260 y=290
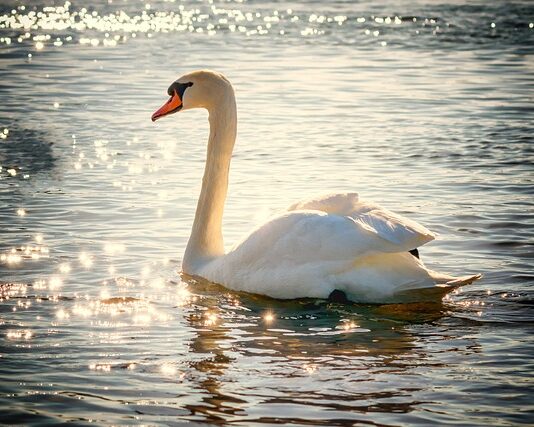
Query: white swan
x=336 y=242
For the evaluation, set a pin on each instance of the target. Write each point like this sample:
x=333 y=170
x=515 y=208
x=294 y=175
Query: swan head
x=198 y=89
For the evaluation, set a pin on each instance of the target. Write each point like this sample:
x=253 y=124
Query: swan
x=320 y=247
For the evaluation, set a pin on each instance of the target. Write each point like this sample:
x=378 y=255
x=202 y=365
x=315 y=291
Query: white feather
x=330 y=242
x=307 y=253
x=405 y=233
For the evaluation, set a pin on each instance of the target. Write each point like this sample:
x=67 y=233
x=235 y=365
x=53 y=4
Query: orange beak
x=173 y=105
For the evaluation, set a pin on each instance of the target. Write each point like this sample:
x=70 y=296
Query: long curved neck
x=206 y=241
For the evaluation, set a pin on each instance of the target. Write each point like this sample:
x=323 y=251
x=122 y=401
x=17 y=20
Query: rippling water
x=425 y=107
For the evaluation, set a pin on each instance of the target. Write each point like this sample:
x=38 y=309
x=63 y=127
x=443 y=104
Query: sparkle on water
x=425 y=108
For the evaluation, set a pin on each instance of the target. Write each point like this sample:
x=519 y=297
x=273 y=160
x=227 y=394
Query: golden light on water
x=310 y=368
x=142 y=319
x=183 y=296
x=23 y=334
x=168 y=369
x=347 y=326
x=11 y=258
x=62 y=314
x=104 y=367
x=157 y=283
x=132 y=311
x=268 y=317
x=54 y=283
x=86 y=260
x=210 y=319
x=58 y=19
x=145 y=271
x=82 y=310
x=64 y=268
x=39 y=284
x=113 y=248
x=474 y=303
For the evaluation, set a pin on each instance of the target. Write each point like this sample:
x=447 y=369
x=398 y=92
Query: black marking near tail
x=415 y=253
x=338 y=296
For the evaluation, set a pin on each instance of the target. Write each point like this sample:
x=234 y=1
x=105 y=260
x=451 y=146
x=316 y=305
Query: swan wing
x=311 y=253
x=398 y=230
x=337 y=203
x=313 y=235
x=305 y=254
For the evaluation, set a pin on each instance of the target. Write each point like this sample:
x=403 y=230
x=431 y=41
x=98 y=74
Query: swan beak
x=173 y=105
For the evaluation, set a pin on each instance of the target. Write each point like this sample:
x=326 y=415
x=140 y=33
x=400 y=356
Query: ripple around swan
x=424 y=108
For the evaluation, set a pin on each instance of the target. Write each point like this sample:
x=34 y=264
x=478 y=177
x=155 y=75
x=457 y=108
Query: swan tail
x=443 y=284
x=463 y=280
x=455 y=282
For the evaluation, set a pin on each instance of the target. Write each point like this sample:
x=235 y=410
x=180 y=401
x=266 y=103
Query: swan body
x=332 y=242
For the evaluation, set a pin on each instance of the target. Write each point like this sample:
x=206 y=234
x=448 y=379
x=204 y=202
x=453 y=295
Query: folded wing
x=403 y=233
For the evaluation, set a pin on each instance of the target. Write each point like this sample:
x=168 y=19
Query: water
x=426 y=108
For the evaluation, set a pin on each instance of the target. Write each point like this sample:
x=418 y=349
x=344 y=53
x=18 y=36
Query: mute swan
x=335 y=243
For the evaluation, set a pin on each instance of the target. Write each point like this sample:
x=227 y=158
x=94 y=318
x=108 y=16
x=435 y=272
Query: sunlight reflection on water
x=425 y=109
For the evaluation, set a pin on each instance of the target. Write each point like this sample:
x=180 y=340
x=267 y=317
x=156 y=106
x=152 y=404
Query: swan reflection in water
x=222 y=357
x=302 y=352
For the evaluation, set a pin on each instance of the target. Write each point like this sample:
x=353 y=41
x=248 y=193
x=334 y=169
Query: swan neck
x=206 y=241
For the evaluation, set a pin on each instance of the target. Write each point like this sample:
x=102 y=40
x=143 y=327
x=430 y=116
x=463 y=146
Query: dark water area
x=425 y=107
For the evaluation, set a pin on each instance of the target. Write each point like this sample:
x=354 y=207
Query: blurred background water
x=425 y=107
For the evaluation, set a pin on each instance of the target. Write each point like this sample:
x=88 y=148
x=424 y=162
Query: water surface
x=426 y=108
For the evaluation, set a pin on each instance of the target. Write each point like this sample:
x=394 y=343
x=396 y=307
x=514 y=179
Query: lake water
x=425 y=107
